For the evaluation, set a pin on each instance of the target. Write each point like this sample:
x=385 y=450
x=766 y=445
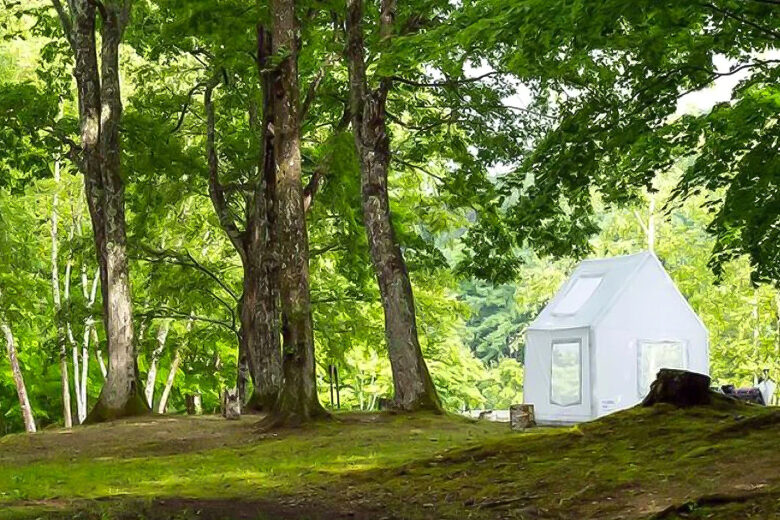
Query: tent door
x=570 y=394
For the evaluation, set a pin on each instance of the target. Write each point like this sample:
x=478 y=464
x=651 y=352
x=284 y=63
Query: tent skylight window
x=581 y=290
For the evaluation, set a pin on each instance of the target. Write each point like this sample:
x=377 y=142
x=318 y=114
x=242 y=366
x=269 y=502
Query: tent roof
x=590 y=291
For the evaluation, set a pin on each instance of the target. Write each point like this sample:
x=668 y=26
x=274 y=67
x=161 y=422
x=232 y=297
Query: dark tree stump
x=679 y=387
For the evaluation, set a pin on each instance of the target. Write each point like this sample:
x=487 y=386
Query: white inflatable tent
x=598 y=344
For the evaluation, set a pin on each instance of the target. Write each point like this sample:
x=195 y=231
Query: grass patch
x=633 y=464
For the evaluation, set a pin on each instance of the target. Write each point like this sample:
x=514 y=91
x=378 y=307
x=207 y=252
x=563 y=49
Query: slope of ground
x=661 y=462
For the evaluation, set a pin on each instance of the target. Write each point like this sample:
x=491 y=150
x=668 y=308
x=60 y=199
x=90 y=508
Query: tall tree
x=21 y=388
x=414 y=388
x=57 y=299
x=100 y=112
x=226 y=59
x=298 y=397
x=255 y=244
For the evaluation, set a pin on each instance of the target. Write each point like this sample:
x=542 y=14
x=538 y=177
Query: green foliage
x=609 y=77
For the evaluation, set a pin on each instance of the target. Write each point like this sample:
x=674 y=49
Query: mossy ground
x=711 y=462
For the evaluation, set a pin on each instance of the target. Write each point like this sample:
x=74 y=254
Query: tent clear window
x=580 y=291
x=566 y=377
x=655 y=355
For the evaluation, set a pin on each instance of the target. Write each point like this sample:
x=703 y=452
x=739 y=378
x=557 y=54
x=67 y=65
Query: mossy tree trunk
x=100 y=112
x=298 y=397
x=413 y=385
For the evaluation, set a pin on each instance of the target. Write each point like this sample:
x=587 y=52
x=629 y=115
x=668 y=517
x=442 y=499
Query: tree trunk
x=259 y=305
x=100 y=111
x=120 y=395
x=81 y=406
x=680 y=388
x=260 y=335
x=84 y=369
x=194 y=404
x=90 y=295
x=169 y=383
x=298 y=397
x=21 y=390
x=151 y=377
x=242 y=378
x=55 y=289
x=259 y=342
x=99 y=352
x=414 y=388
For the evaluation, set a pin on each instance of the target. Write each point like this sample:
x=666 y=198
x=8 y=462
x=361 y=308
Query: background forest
x=457 y=142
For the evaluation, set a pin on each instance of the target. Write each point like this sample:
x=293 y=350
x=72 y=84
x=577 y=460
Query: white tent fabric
x=596 y=347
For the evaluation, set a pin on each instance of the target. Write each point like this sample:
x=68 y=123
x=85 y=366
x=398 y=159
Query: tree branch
x=100 y=7
x=226 y=305
x=311 y=91
x=742 y=19
x=716 y=75
x=216 y=190
x=185 y=260
x=167 y=312
x=419 y=168
x=185 y=107
x=65 y=21
x=447 y=82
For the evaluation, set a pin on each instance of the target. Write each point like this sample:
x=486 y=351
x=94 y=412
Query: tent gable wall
x=650 y=309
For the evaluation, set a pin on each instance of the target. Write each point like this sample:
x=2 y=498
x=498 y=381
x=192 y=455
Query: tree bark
x=90 y=295
x=99 y=352
x=81 y=406
x=56 y=298
x=151 y=377
x=21 y=390
x=194 y=404
x=100 y=111
x=298 y=397
x=260 y=308
x=120 y=395
x=163 y=405
x=259 y=343
x=413 y=385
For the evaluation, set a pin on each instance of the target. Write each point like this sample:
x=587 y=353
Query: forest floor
x=708 y=462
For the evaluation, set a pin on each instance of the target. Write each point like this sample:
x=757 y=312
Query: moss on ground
x=635 y=464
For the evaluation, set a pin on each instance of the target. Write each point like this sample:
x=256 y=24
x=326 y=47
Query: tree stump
x=521 y=416
x=679 y=387
x=231 y=404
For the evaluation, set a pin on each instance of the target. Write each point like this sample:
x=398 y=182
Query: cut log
x=680 y=388
x=521 y=416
